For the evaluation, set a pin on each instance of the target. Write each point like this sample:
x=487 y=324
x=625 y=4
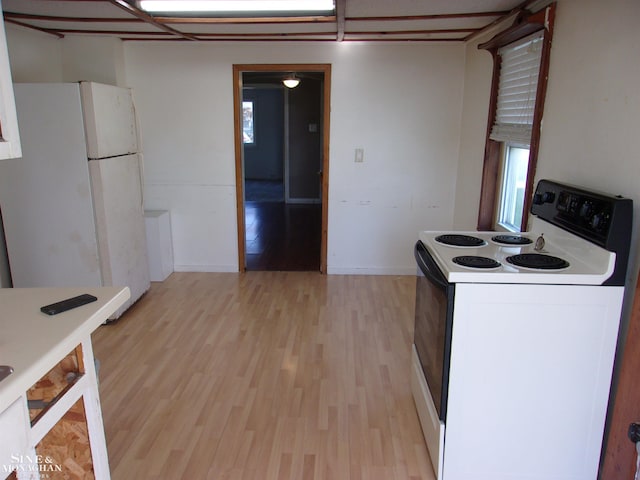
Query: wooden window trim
x=525 y=24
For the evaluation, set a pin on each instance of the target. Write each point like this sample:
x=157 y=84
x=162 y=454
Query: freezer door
x=120 y=227
x=109 y=120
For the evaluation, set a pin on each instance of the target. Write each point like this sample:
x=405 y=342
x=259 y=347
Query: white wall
x=99 y=59
x=400 y=103
x=34 y=56
x=40 y=57
x=477 y=89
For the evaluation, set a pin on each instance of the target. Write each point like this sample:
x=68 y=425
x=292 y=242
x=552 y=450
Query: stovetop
x=580 y=261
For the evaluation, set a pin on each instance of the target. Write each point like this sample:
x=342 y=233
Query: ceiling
x=353 y=20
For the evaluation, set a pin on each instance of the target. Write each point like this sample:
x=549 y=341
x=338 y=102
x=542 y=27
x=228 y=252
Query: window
x=514 y=180
x=248 y=133
x=521 y=63
x=515 y=108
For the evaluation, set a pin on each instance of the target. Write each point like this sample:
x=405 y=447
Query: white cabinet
x=9 y=136
x=159 y=245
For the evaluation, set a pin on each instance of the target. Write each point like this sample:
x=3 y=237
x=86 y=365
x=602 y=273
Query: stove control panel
x=602 y=219
x=584 y=212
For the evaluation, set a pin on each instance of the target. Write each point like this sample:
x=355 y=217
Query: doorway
x=282 y=147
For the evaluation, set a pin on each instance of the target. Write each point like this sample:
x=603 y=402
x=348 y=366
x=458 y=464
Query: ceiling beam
x=439 y=16
x=136 y=12
x=26 y=25
x=412 y=32
x=52 y=18
x=113 y=32
x=202 y=36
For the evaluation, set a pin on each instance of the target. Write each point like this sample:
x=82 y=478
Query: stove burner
x=457 y=240
x=512 y=240
x=538 y=261
x=473 y=261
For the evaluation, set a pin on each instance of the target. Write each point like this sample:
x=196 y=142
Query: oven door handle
x=428 y=265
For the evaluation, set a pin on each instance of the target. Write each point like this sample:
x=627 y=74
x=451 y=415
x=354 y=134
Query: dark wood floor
x=282 y=236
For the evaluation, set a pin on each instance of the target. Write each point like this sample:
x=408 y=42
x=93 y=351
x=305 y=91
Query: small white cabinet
x=9 y=136
x=159 y=245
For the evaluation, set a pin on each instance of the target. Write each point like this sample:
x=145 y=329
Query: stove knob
x=546 y=197
x=599 y=221
x=586 y=210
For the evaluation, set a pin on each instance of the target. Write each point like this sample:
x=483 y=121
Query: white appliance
x=159 y=245
x=72 y=207
x=512 y=362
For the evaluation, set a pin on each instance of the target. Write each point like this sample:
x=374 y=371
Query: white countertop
x=32 y=342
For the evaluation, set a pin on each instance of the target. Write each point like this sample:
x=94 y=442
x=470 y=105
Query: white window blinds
x=519 y=71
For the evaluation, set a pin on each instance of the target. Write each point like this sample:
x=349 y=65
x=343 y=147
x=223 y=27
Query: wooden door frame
x=238 y=70
x=619 y=453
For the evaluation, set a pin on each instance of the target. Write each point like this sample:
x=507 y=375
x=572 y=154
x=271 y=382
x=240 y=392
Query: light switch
x=359 y=155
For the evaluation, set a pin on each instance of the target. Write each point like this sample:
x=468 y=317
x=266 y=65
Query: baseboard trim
x=330 y=270
x=371 y=270
x=206 y=268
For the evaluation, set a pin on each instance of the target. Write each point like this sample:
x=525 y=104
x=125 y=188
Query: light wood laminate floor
x=263 y=375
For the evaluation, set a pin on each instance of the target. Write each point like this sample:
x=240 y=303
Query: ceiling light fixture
x=291 y=81
x=225 y=6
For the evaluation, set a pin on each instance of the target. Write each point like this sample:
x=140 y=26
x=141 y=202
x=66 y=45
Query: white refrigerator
x=72 y=207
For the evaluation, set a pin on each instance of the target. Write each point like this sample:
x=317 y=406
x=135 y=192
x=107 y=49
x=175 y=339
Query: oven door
x=433 y=325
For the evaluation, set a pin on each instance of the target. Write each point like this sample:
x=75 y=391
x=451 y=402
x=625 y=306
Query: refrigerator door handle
x=141 y=169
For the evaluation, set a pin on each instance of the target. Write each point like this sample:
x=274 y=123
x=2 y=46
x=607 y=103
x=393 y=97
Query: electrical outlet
x=359 y=155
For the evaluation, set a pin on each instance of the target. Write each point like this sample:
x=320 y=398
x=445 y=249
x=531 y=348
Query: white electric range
x=512 y=362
